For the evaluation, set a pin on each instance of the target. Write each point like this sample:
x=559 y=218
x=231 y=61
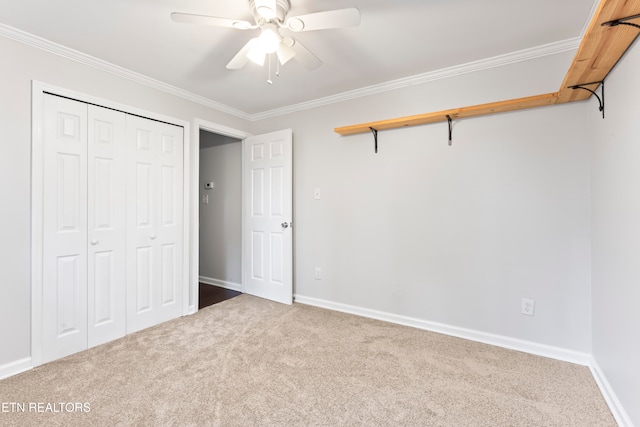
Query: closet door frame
x=39 y=89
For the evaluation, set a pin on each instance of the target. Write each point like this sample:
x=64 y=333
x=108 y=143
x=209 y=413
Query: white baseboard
x=621 y=416
x=221 y=283
x=558 y=353
x=16 y=367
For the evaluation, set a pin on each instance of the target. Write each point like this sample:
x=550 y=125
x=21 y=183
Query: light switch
x=316 y=194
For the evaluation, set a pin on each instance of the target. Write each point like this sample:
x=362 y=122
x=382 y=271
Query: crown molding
x=587 y=22
x=471 y=67
x=60 y=50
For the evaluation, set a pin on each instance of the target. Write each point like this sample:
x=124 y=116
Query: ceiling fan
x=270 y=17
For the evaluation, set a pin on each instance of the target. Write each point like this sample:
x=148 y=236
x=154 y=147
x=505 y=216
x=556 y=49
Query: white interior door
x=267 y=237
x=64 y=287
x=106 y=208
x=154 y=222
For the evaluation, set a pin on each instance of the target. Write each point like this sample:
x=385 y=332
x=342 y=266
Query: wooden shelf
x=457 y=113
x=600 y=50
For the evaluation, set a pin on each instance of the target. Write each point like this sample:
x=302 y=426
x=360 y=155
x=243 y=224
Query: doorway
x=220 y=213
x=266 y=200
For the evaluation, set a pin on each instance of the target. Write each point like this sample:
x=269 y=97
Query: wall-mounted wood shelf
x=600 y=50
x=456 y=113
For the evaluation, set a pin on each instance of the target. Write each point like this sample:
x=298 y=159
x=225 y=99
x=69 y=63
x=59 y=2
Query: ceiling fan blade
x=324 y=20
x=241 y=57
x=188 y=18
x=302 y=54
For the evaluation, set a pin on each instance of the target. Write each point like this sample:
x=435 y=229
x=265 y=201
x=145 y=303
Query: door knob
x=285 y=225
x=152 y=237
x=94 y=242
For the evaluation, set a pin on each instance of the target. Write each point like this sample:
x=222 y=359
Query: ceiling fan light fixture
x=270 y=16
x=269 y=39
x=266 y=8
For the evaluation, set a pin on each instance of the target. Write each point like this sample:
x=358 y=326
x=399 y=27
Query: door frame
x=194 y=252
x=38 y=91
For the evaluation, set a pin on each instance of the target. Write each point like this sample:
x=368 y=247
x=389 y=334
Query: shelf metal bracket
x=375 y=137
x=622 y=21
x=450 y=129
x=600 y=100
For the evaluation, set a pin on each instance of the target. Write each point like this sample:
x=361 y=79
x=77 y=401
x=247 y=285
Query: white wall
x=455 y=235
x=615 y=222
x=221 y=218
x=21 y=65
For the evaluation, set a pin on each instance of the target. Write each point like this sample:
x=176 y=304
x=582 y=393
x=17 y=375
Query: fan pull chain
x=269 y=81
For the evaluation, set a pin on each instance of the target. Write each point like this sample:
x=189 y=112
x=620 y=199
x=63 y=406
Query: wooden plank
x=457 y=113
x=510 y=105
x=600 y=50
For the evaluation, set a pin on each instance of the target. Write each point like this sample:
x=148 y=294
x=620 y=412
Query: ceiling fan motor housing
x=282 y=8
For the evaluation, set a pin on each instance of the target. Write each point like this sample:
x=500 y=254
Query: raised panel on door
x=168 y=279
x=64 y=288
x=143 y=292
x=277 y=189
x=267 y=193
x=258 y=255
x=106 y=226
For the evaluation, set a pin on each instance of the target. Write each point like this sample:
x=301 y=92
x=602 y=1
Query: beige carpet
x=250 y=362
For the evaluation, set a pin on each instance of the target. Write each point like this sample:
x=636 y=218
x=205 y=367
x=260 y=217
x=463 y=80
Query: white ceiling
x=395 y=39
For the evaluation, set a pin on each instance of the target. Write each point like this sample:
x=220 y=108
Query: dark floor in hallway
x=210 y=294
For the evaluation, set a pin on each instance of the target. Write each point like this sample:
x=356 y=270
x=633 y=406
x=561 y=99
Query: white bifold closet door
x=106 y=299
x=64 y=292
x=84 y=227
x=154 y=222
x=112 y=225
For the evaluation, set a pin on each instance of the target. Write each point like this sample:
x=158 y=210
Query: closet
x=112 y=227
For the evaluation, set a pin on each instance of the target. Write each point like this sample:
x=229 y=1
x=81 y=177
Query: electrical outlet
x=318 y=274
x=528 y=306
x=205 y=199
